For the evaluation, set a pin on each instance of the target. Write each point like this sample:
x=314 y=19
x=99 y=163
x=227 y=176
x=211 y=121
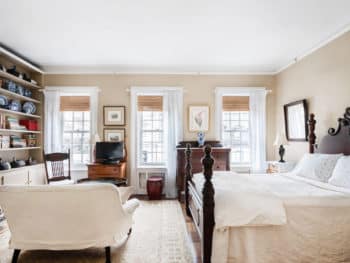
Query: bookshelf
x=8 y=60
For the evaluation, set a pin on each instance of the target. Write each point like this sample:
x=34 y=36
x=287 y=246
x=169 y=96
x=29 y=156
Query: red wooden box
x=31 y=125
x=155 y=187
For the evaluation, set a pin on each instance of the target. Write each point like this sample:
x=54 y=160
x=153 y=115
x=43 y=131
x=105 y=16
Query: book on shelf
x=13 y=124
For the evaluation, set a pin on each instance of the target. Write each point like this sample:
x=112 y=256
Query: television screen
x=109 y=152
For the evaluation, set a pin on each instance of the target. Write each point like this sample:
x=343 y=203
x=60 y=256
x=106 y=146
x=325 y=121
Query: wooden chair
x=56 y=161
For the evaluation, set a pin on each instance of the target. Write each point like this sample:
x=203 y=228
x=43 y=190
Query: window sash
x=239 y=148
x=83 y=155
x=156 y=136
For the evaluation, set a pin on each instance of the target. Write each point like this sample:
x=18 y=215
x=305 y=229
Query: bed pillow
x=317 y=166
x=341 y=174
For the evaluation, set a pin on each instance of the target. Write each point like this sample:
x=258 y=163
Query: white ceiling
x=169 y=36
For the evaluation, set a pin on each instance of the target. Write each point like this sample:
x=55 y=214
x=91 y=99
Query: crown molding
x=318 y=46
x=118 y=70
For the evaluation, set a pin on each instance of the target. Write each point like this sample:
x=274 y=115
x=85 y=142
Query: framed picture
x=198 y=118
x=114 y=135
x=113 y=115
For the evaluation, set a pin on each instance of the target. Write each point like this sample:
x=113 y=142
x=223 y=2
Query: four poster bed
x=271 y=218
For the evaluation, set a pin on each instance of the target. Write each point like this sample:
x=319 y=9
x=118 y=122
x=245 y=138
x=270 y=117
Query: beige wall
x=199 y=91
x=323 y=78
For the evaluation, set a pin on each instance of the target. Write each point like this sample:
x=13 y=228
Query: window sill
x=151 y=167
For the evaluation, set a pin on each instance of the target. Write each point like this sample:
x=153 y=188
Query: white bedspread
x=317 y=227
x=240 y=201
x=259 y=200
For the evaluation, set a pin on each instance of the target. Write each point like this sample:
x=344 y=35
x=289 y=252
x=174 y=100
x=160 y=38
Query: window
x=76 y=135
x=235 y=128
x=151 y=130
x=76 y=127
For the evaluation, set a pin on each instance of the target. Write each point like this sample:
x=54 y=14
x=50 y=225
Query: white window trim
x=134 y=92
x=227 y=91
x=92 y=92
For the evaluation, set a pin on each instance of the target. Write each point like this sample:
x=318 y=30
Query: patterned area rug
x=159 y=235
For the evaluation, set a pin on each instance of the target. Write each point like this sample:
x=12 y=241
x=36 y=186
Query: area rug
x=159 y=235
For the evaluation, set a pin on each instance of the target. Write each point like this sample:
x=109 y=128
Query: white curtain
x=53 y=129
x=173 y=107
x=257 y=111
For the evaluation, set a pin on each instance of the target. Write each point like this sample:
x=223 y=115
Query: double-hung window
x=235 y=128
x=151 y=147
x=76 y=130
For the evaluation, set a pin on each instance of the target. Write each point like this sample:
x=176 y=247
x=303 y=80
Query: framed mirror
x=295 y=120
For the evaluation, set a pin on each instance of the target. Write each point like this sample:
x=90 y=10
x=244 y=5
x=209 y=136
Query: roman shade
x=74 y=103
x=150 y=103
x=235 y=103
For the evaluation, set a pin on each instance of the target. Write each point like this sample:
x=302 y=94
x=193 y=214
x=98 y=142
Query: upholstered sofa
x=69 y=217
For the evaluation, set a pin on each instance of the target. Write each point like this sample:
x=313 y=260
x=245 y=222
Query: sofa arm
x=131 y=205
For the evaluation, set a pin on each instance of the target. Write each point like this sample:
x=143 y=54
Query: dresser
x=107 y=171
x=220 y=154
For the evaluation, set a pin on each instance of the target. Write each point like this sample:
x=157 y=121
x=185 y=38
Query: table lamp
x=281 y=141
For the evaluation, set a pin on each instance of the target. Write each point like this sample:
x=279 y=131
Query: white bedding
x=316 y=214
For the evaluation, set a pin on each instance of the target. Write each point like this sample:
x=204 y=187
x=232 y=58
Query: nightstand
x=278 y=167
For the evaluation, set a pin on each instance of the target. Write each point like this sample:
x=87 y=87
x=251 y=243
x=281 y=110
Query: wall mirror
x=295 y=120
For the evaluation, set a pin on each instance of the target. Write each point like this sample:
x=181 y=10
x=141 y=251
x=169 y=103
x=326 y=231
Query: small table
x=278 y=167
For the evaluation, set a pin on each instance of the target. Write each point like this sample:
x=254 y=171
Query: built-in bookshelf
x=7 y=60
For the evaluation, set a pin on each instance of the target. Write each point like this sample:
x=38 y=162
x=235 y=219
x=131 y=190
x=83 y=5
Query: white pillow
x=317 y=166
x=341 y=173
x=125 y=193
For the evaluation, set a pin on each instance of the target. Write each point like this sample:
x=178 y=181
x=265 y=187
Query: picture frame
x=198 y=118
x=295 y=121
x=114 y=115
x=114 y=135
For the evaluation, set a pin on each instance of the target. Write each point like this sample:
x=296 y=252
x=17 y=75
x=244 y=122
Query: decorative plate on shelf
x=27 y=93
x=20 y=90
x=3 y=101
x=29 y=107
x=15 y=105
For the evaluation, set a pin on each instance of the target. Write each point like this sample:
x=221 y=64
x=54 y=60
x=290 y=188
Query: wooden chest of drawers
x=221 y=156
x=98 y=170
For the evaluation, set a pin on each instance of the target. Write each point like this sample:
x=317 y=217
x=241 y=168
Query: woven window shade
x=74 y=103
x=150 y=103
x=235 y=103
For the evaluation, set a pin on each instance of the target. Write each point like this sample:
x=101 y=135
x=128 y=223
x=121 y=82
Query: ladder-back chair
x=56 y=175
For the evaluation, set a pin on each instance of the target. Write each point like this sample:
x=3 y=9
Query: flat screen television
x=109 y=152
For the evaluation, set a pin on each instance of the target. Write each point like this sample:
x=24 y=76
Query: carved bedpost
x=188 y=176
x=208 y=206
x=312 y=135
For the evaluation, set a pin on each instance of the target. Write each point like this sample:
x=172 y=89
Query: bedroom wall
x=323 y=78
x=199 y=91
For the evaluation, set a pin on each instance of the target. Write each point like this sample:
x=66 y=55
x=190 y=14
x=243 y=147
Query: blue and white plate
x=27 y=93
x=29 y=107
x=3 y=101
x=20 y=90
x=15 y=105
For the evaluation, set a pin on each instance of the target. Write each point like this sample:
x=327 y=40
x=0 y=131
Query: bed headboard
x=336 y=141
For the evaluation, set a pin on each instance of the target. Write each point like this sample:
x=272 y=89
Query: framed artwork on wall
x=113 y=135
x=113 y=115
x=198 y=117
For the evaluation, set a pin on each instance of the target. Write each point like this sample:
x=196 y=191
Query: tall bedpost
x=208 y=206
x=312 y=135
x=188 y=177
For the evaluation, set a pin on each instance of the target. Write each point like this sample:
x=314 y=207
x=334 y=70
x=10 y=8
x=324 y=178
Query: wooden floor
x=194 y=238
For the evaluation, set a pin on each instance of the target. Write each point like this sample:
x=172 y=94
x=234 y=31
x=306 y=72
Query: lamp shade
x=280 y=139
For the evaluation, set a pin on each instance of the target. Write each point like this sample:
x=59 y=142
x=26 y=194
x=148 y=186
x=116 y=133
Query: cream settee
x=67 y=217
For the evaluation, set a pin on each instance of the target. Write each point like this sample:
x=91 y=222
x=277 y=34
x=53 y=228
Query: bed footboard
x=201 y=209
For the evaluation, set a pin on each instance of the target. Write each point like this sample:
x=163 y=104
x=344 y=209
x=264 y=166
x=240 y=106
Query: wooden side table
x=278 y=167
x=99 y=170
